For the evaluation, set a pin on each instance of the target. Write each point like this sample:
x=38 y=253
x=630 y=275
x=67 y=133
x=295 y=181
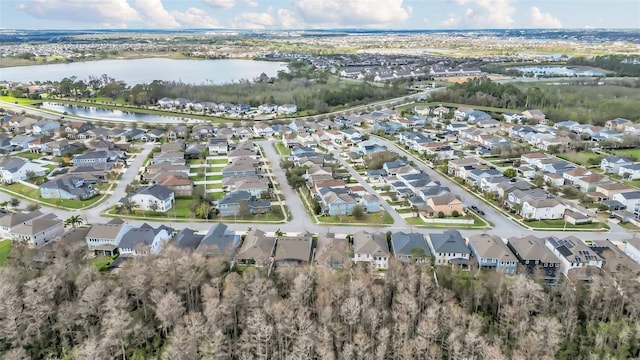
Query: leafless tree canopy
x=183 y=306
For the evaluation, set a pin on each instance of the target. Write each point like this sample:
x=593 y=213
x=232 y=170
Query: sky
x=318 y=14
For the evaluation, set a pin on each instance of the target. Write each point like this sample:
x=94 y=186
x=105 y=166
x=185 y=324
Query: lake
x=141 y=71
x=557 y=71
x=108 y=114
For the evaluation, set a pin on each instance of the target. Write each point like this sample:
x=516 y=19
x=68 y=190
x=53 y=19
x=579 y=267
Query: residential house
x=332 y=251
x=631 y=248
x=577 y=260
x=241 y=167
x=46 y=127
x=103 y=239
x=629 y=199
x=491 y=251
x=155 y=198
x=263 y=130
x=144 y=240
x=614 y=260
x=219 y=241
x=287 y=109
x=293 y=249
x=336 y=201
x=446 y=203
x=461 y=113
x=218 y=146
x=535 y=257
x=410 y=247
x=630 y=171
x=178 y=182
x=454 y=166
x=536 y=115
x=70 y=187
x=611 y=164
x=254 y=185
x=609 y=189
x=256 y=249
x=38 y=231
x=13 y=169
x=152 y=135
x=371 y=248
x=232 y=204
x=475 y=176
x=177 y=132
x=173 y=157
x=449 y=248
x=187 y=239
x=541 y=209
x=617 y=124
x=59 y=148
x=370 y=203
x=97 y=157
x=21 y=141
x=590 y=182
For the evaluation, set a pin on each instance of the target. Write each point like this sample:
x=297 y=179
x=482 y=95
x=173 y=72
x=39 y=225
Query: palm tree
x=74 y=221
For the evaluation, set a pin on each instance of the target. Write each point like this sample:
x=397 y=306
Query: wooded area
x=587 y=102
x=622 y=65
x=183 y=306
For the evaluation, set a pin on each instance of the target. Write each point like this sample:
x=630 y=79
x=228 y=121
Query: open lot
x=580 y=158
x=32 y=194
x=632 y=153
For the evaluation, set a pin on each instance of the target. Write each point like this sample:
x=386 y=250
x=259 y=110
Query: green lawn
x=381 y=218
x=101 y=262
x=633 y=153
x=197 y=178
x=21 y=101
x=214 y=177
x=560 y=224
x=477 y=223
x=34 y=194
x=29 y=155
x=5 y=247
x=218 y=161
x=194 y=161
x=581 y=158
x=182 y=208
x=281 y=149
x=213 y=186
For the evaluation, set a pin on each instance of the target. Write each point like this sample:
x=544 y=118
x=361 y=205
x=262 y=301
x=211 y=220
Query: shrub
x=455 y=213
x=440 y=214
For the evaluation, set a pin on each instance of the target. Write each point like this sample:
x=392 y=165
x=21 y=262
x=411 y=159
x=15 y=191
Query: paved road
x=397 y=219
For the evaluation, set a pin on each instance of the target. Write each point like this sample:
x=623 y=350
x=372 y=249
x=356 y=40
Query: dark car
x=481 y=212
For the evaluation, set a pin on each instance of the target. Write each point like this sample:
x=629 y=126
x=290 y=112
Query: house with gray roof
x=103 y=239
x=98 y=157
x=38 y=231
x=256 y=249
x=535 y=257
x=293 y=248
x=449 y=248
x=577 y=260
x=70 y=187
x=231 y=204
x=144 y=240
x=410 y=247
x=371 y=248
x=332 y=251
x=187 y=239
x=155 y=198
x=491 y=252
x=219 y=241
x=14 y=169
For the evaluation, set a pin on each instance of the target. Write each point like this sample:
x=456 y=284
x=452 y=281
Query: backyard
x=5 y=247
x=581 y=158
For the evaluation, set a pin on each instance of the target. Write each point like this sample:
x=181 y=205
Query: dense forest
x=589 y=101
x=183 y=306
x=622 y=65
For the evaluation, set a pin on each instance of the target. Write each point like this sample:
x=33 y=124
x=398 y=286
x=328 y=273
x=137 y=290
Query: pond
x=547 y=71
x=109 y=114
x=145 y=71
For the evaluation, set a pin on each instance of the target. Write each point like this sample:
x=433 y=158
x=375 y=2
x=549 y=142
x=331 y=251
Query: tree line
x=622 y=65
x=184 y=306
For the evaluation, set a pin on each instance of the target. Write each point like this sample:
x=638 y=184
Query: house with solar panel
x=577 y=260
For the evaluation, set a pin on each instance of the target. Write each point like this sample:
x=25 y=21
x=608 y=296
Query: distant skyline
x=315 y=14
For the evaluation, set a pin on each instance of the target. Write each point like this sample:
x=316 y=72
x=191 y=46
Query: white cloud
x=195 y=18
x=538 y=19
x=253 y=20
x=156 y=15
x=287 y=19
x=488 y=13
x=352 y=13
x=228 y=4
x=90 y=11
x=452 y=21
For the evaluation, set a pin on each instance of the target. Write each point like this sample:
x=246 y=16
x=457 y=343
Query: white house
x=14 y=169
x=156 y=198
x=629 y=199
x=449 y=248
x=629 y=171
x=144 y=240
x=287 y=109
x=38 y=231
x=371 y=248
x=541 y=209
x=573 y=254
x=632 y=249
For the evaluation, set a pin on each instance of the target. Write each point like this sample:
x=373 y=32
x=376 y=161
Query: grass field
x=561 y=224
x=632 y=153
x=580 y=158
x=281 y=149
x=34 y=194
x=218 y=161
x=381 y=218
x=101 y=262
x=29 y=155
x=5 y=247
x=20 y=101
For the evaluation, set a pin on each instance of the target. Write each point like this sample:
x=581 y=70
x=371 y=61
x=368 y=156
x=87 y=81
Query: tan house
x=445 y=203
x=610 y=189
x=178 y=182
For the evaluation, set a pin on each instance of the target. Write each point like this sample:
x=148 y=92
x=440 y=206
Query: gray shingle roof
x=405 y=243
x=449 y=242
